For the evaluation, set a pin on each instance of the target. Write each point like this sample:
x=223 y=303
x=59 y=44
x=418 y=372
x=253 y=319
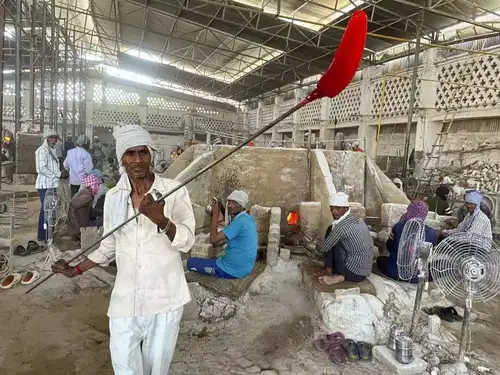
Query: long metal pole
x=202 y=171
x=18 y=103
x=56 y=77
x=82 y=84
x=65 y=85
x=32 y=62
x=2 y=33
x=43 y=67
x=52 y=61
x=412 y=96
x=74 y=91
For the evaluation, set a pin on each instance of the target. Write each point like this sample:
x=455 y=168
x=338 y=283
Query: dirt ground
x=60 y=329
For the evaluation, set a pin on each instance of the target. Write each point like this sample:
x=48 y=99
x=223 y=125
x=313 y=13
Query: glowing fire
x=293 y=218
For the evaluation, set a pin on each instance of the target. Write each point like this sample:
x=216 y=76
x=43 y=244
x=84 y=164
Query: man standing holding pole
x=150 y=289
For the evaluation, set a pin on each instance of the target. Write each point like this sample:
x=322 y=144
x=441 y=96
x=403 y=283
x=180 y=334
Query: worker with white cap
x=150 y=289
x=348 y=245
x=49 y=173
x=240 y=233
x=475 y=222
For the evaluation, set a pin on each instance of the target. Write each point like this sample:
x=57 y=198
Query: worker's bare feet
x=330 y=280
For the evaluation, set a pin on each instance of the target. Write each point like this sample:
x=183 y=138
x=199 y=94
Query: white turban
x=239 y=197
x=339 y=200
x=128 y=136
x=50 y=133
x=82 y=140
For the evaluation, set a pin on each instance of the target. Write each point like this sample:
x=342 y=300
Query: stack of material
x=482 y=174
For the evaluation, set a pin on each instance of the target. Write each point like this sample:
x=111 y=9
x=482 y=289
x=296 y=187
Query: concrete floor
x=62 y=329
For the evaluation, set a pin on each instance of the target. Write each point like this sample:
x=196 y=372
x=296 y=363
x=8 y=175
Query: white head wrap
x=48 y=133
x=240 y=197
x=126 y=136
x=82 y=140
x=339 y=200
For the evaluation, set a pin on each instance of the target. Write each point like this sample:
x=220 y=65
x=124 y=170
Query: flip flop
x=321 y=345
x=33 y=247
x=10 y=280
x=351 y=349
x=30 y=277
x=364 y=351
x=449 y=314
x=20 y=250
x=334 y=338
x=337 y=354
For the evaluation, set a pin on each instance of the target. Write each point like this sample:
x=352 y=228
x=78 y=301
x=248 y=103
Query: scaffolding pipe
x=56 y=77
x=74 y=91
x=18 y=103
x=32 y=62
x=65 y=85
x=412 y=96
x=2 y=33
x=42 y=70
x=52 y=70
x=81 y=118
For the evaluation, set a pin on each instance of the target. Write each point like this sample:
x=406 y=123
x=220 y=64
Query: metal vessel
x=404 y=349
x=395 y=331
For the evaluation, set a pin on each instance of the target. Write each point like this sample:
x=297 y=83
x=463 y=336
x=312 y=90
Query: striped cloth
x=47 y=167
x=356 y=239
x=477 y=223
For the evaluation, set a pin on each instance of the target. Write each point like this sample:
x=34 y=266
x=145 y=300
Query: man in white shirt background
x=49 y=173
x=150 y=288
x=79 y=163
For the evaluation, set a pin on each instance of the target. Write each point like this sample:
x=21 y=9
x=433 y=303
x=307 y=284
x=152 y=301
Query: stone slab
x=233 y=289
x=386 y=356
x=312 y=270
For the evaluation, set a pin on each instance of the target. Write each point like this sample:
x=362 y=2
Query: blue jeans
x=42 y=232
x=207 y=267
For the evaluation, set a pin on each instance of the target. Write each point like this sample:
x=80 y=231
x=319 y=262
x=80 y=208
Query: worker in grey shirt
x=348 y=246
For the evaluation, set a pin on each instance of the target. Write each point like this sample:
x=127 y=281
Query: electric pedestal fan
x=413 y=259
x=467 y=267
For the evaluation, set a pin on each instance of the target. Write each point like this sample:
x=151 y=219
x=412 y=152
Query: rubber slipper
x=364 y=351
x=33 y=247
x=334 y=338
x=321 y=345
x=337 y=354
x=10 y=280
x=30 y=277
x=449 y=314
x=351 y=348
x=20 y=250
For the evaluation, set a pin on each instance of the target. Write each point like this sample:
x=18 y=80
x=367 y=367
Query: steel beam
x=43 y=67
x=412 y=96
x=74 y=91
x=32 y=62
x=2 y=34
x=18 y=102
x=52 y=61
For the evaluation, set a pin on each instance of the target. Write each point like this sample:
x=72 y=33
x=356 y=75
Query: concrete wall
x=348 y=172
x=273 y=177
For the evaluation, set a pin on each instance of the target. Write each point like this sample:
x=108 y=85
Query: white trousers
x=144 y=345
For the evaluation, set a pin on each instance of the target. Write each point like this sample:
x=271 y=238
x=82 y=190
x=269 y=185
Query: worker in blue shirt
x=240 y=233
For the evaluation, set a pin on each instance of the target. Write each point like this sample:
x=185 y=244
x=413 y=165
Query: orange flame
x=293 y=218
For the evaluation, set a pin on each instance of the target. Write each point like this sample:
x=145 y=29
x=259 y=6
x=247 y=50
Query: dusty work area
x=62 y=329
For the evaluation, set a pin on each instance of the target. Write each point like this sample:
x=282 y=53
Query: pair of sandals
x=341 y=350
x=448 y=314
x=28 y=278
x=32 y=248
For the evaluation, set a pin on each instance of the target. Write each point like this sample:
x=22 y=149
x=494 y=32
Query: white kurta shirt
x=150 y=278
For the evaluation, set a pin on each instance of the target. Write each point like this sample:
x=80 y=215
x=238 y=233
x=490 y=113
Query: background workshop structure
x=217 y=70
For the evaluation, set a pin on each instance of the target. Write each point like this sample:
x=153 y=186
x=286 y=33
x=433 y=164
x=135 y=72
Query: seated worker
x=439 y=203
x=348 y=245
x=462 y=212
x=81 y=213
x=475 y=222
x=388 y=265
x=242 y=241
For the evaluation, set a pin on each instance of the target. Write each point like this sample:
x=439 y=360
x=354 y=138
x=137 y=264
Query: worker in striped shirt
x=348 y=245
x=49 y=173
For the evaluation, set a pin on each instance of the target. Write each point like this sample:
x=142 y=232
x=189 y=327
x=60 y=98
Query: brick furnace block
x=310 y=220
